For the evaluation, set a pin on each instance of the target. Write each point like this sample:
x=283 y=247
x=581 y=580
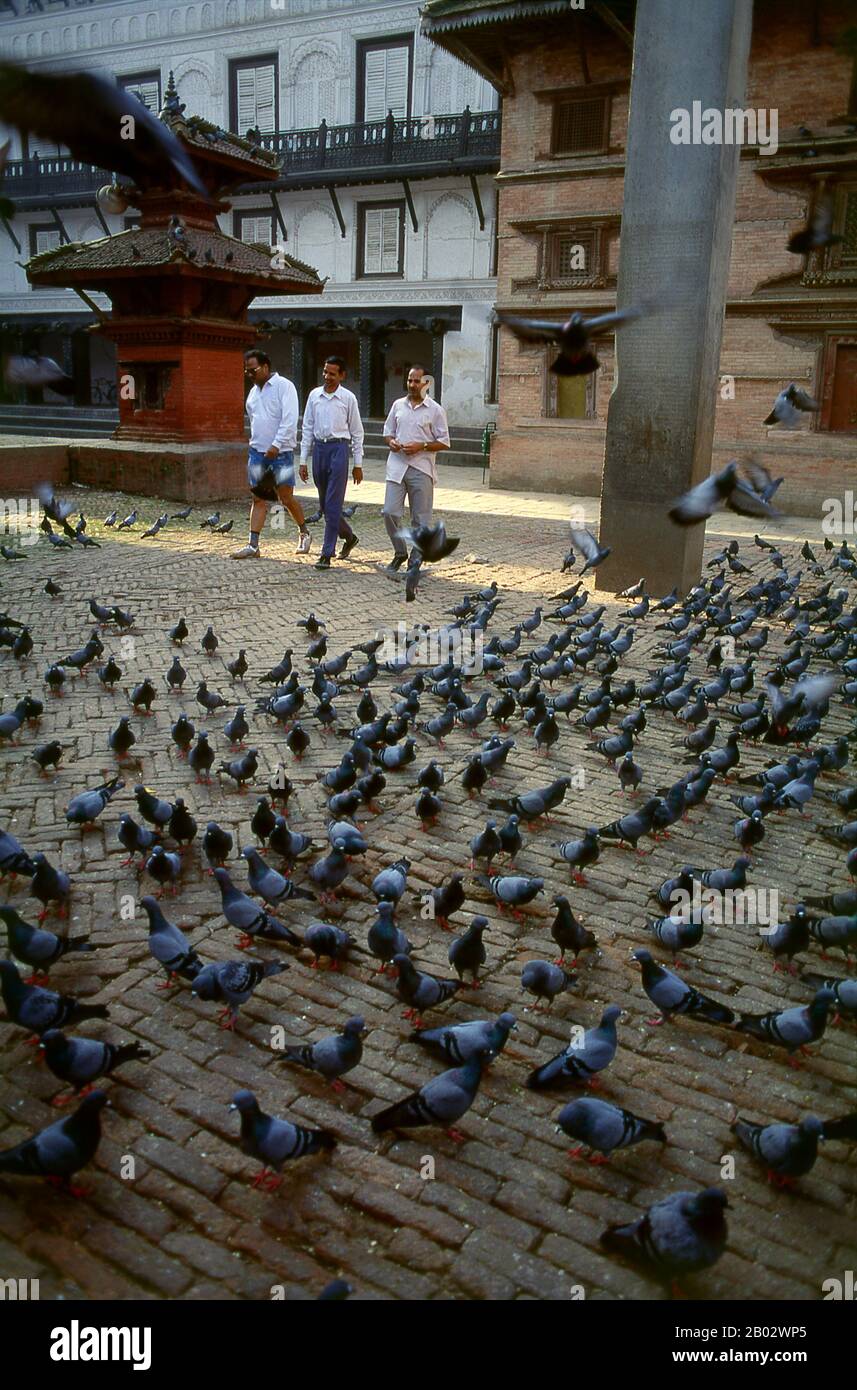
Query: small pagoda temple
x=180 y=289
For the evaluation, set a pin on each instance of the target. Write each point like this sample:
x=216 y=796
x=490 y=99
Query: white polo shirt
x=273 y=411
x=411 y=424
x=332 y=415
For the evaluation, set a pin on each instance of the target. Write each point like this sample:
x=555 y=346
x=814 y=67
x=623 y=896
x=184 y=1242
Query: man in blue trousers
x=331 y=422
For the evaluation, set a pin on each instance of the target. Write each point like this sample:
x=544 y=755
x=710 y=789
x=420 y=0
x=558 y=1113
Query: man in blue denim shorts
x=272 y=406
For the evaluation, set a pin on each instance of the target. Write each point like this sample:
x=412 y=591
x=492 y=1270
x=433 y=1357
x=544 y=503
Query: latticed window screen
x=381 y=241
x=255 y=98
x=385 y=83
x=259 y=229
x=579 y=126
x=573 y=256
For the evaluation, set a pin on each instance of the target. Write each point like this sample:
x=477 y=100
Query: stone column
x=437 y=328
x=296 y=329
x=677 y=216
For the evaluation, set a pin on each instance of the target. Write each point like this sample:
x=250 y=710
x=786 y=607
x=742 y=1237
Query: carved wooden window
x=581 y=125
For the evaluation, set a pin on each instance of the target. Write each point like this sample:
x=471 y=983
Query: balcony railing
x=29 y=178
x=372 y=144
x=468 y=139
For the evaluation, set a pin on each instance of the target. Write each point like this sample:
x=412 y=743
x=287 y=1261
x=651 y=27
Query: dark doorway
x=843 y=404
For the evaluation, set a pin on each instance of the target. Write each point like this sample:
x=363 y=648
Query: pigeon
x=178 y=633
x=385 y=940
x=13 y=859
x=121 y=739
x=331 y=871
x=844 y=992
x=818 y=230
x=85 y=808
x=290 y=844
x=216 y=843
x=568 y=933
x=791 y=1028
x=672 y=995
x=273 y=887
x=273 y=1142
x=447 y=899
x=128 y=522
x=581 y=1061
x=176 y=676
x=390 y=884
x=182 y=826
x=467 y=952
x=462 y=1041
x=210 y=642
x=442 y=1101
x=419 y=990
x=82 y=1061
x=152 y=808
x=164 y=867
x=88 y=114
x=37 y=1009
x=576 y=356
x=169 y=946
x=545 y=981
x=209 y=699
x=680 y=1234
x=36 y=946
x=49 y=885
x=580 y=853
x=512 y=890
x=583 y=542
x=61 y=1150
x=838 y=931
x=109 y=673
x=246 y=916
x=680 y=930
x=604 y=1127
x=210 y=521
x=201 y=757
x=431 y=542
x=533 y=804
x=789 y=405
x=182 y=734
x=49 y=754
x=725 y=488
x=232 y=982
x=238 y=670
x=332 y=1057
x=325 y=939
x=241 y=770
x=788 y=1151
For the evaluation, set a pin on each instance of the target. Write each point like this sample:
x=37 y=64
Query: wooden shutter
x=259 y=229
x=396 y=86
x=149 y=93
x=372 y=240
x=375 y=84
x=255 y=98
x=44 y=149
x=47 y=239
x=389 y=241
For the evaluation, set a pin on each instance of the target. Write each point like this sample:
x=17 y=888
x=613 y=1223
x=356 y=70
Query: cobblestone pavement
x=507 y=1214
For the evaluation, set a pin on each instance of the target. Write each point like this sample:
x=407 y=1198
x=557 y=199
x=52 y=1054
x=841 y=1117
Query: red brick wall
x=808 y=85
x=204 y=399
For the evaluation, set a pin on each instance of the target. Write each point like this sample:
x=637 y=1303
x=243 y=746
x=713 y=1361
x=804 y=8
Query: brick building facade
x=565 y=78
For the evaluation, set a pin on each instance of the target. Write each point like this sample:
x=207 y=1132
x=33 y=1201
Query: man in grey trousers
x=415 y=430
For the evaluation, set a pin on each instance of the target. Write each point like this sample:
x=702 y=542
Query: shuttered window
x=145 y=85
x=43 y=239
x=253 y=96
x=384 y=79
x=381 y=239
x=253 y=227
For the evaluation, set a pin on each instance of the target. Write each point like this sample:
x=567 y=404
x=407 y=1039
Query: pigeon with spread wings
x=576 y=356
x=91 y=116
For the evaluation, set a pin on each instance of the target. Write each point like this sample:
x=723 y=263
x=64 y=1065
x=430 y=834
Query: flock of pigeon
x=397 y=717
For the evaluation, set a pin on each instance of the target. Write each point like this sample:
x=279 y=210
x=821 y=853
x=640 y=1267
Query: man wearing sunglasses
x=272 y=406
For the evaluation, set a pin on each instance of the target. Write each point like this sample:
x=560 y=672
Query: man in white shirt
x=331 y=421
x=272 y=405
x=415 y=430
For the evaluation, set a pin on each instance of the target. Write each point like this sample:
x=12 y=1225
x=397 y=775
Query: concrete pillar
x=677 y=216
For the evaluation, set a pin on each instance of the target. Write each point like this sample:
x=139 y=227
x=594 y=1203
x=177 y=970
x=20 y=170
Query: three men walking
x=415 y=430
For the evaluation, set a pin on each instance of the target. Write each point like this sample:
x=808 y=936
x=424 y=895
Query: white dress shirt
x=411 y=424
x=332 y=415
x=273 y=411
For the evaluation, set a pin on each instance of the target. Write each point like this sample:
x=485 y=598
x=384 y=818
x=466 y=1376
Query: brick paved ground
x=508 y=1214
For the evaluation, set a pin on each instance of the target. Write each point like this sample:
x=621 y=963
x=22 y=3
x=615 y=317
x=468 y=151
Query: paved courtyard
x=507 y=1213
